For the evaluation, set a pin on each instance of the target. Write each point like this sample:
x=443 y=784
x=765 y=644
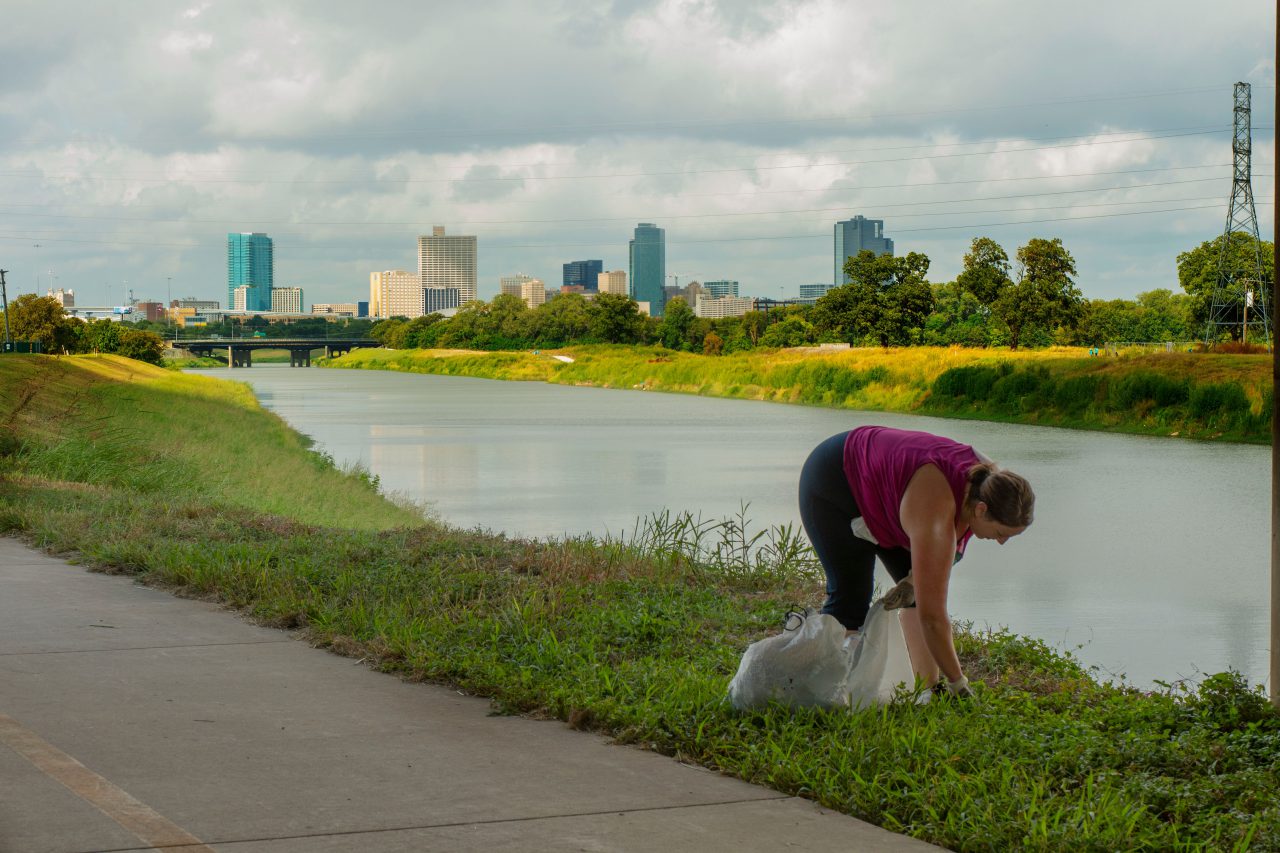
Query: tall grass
x=636 y=636
x=1199 y=395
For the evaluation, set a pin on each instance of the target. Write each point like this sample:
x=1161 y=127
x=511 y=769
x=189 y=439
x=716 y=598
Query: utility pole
x=1274 y=331
x=4 y=298
x=1240 y=281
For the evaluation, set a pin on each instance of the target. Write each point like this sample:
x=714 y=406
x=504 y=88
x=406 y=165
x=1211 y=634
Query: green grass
x=636 y=637
x=1192 y=395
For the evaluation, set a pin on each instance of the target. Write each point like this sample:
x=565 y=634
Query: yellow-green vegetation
x=1193 y=395
x=185 y=482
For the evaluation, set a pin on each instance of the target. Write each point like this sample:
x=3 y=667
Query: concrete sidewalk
x=134 y=720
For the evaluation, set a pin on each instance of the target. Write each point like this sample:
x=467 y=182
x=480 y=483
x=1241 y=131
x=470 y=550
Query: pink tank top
x=879 y=462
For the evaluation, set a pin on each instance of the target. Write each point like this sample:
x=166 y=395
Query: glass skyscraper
x=583 y=274
x=648 y=252
x=854 y=235
x=251 y=264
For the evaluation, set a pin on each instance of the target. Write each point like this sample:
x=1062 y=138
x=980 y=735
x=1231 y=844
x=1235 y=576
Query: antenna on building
x=1240 y=290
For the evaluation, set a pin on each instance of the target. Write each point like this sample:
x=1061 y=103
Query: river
x=1149 y=557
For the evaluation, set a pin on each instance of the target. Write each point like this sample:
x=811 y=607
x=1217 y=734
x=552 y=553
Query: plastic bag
x=810 y=664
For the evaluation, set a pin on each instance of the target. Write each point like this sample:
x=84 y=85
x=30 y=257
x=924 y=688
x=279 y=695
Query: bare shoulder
x=927 y=499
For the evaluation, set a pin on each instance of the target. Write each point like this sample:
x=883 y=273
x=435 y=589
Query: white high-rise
x=613 y=281
x=395 y=293
x=286 y=300
x=533 y=292
x=448 y=262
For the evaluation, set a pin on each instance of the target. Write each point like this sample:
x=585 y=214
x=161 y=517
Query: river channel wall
x=1225 y=397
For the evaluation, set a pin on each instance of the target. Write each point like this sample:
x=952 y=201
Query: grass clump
x=635 y=636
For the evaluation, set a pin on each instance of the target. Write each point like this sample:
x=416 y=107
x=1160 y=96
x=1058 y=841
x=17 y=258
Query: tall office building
x=855 y=235
x=286 y=300
x=395 y=293
x=648 y=256
x=250 y=263
x=584 y=274
x=448 y=262
x=613 y=281
x=716 y=289
x=436 y=299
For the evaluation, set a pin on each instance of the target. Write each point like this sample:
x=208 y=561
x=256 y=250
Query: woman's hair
x=1008 y=497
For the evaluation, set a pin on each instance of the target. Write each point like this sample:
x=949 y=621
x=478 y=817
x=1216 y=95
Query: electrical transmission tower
x=1241 y=296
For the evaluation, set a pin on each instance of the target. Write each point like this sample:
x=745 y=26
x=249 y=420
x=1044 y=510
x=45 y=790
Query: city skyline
x=744 y=130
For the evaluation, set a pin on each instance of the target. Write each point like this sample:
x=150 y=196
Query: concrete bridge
x=239 y=349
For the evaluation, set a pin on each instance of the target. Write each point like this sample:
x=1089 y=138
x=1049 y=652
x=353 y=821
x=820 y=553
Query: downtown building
x=716 y=308
x=716 y=289
x=612 y=281
x=647 y=252
x=811 y=293
x=286 y=300
x=251 y=265
x=856 y=235
x=445 y=261
x=582 y=274
x=395 y=293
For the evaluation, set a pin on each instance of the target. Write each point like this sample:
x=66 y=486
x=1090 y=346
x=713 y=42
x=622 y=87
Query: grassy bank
x=185 y=482
x=1206 y=396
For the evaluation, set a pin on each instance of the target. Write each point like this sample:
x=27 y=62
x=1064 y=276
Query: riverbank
x=1190 y=395
x=185 y=482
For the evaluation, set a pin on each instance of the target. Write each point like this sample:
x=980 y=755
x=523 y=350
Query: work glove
x=958 y=689
x=902 y=595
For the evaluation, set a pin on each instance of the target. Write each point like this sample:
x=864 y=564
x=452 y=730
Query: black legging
x=826 y=509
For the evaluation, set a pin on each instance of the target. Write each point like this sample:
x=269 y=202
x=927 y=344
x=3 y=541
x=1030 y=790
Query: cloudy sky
x=134 y=136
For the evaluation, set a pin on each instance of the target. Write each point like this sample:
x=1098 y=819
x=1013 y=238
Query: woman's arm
x=928 y=513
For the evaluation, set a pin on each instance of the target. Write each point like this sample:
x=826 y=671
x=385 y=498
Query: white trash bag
x=811 y=664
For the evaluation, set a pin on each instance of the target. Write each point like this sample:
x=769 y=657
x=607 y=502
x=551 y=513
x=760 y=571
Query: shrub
x=1213 y=398
x=1021 y=389
x=974 y=381
x=1076 y=393
x=1129 y=391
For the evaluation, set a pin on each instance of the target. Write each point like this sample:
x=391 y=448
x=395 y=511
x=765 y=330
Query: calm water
x=1150 y=555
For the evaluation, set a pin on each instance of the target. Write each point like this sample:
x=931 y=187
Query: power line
x=825 y=236
x=595 y=176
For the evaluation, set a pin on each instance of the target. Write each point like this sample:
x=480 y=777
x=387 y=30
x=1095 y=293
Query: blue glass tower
x=648 y=252
x=854 y=235
x=250 y=261
x=583 y=274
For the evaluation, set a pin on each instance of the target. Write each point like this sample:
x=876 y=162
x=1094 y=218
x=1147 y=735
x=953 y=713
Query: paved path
x=134 y=720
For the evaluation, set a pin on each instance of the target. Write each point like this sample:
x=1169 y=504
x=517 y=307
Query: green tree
x=887 y=299
x=1045 y=294
x=566 y=318
x=43 y=319
x=792 y=331
x=144 y=346
x=415 y=334
x=958 y=318
x=101 y=336
x=753 y=325
x=616 y=319
x=986 y=272
x=712 y=344
x=390 y=332
x=677 y=321
x=1198 y=271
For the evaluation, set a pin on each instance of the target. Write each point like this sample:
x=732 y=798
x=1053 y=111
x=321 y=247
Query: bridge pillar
x=239 y=357
x=300 y=358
